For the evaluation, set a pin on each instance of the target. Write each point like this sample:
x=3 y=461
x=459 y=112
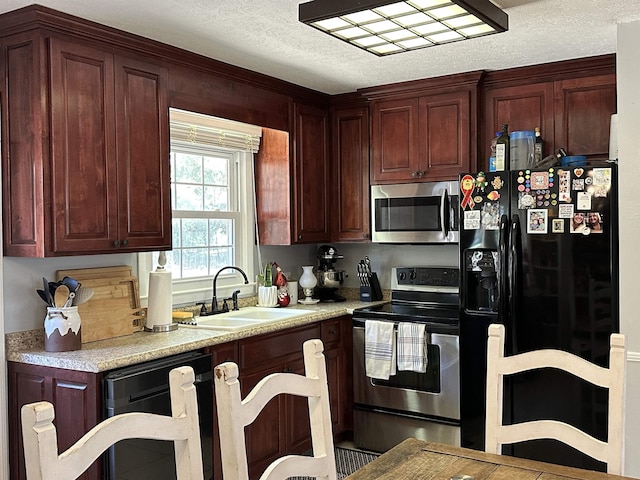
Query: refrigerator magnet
x=583 y=201
x=557 y=225
x=537 y=220
x=471 y=220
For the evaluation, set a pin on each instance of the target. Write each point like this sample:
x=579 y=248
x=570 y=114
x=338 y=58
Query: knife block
x=371 y=292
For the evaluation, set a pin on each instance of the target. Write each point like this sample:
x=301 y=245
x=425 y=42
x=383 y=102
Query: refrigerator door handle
x=502 y=270
x=514 y=280
x=444 y=209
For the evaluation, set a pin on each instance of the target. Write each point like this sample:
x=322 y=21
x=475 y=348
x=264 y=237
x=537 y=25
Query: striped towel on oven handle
x=412 y=347
x=379 y=349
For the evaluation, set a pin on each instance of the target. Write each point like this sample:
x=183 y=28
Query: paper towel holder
x=154 y=313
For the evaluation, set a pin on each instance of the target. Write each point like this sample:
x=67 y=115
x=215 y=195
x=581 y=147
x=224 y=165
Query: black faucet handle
x=234 y=297
x=225 y=306
x=203 y=308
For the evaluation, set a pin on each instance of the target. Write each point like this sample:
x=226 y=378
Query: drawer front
x=255 y=350
x=330 y=332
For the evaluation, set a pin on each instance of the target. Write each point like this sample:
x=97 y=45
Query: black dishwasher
x=144 y=387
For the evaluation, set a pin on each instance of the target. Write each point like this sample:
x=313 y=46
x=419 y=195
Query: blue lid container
x=574 y=160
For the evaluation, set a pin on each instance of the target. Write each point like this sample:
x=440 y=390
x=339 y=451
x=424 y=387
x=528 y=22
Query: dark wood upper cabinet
x=571 y=102
x=311 y=174
x=423 y=130
x=99 y=180
x=583 y=109
x=293 y=191
x=350 y=175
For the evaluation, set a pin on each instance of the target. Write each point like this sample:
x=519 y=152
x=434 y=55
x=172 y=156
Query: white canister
x=62 y=329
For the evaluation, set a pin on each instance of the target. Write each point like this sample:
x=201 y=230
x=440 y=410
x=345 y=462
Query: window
x=212 y=208
x=205 y=210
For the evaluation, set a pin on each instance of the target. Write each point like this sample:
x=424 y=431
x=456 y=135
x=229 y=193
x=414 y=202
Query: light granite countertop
x=103 y=355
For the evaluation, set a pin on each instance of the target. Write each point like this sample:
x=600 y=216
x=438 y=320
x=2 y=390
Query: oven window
x=407 y=214
x=422 y=382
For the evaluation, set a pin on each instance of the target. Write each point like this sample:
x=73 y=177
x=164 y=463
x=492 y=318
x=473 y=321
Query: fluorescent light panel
x=388 y=27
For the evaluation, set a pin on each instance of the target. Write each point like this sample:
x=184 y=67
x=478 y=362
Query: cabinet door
x=522 y=107
x=83 y=164
x=444 y=136
x=298 y=431
x=350 y=182
x=336 y=336
x=266 y=437
x=394 y=141
x=311 y=166
x=75 y=397
x=24 y=150
x=583 y=114
x=142 y=117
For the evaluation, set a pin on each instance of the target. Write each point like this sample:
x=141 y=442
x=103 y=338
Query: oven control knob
x=412 y=275
x=402 y=276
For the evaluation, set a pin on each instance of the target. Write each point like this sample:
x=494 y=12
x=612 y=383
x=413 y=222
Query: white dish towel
x=412 y=347
x=379 y=349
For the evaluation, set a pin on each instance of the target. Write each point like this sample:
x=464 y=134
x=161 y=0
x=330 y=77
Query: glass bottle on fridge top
x=538 y=147
x=492 y=157
x=502 y=149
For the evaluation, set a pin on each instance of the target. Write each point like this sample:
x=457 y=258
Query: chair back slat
x=44 y=462
x=497 y=434
x=235 y=413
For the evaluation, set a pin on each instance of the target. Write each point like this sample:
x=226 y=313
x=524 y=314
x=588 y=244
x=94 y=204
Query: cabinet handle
x=332 y=332
x=414 y=174
x=420 y=173
x=116 y=243
x=125 y=242
x=300 y=236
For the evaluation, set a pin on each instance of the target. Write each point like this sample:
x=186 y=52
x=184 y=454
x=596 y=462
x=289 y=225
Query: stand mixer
x=329 y=279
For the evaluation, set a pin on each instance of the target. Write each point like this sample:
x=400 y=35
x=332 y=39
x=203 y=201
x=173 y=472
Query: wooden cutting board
x=114 y=309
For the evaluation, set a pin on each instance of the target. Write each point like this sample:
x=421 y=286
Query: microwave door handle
x=444 y=201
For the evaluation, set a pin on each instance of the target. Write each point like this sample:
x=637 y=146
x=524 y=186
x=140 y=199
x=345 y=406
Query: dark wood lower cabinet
x=282 y=428
x=75 y=396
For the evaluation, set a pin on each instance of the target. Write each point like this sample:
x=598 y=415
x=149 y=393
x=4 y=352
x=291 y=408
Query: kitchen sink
x=247 y=317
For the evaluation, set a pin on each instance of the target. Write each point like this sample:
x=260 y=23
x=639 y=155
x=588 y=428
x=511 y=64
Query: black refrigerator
x=539 y=254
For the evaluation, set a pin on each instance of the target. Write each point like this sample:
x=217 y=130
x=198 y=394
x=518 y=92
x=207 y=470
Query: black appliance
x=329 y=279
x=145 y=388
x=410 y=404
x=539 y=254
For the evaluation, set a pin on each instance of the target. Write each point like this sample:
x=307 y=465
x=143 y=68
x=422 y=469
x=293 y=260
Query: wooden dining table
x=415 y=459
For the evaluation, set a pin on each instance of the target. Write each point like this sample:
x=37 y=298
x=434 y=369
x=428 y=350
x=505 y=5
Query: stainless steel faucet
x=214 y=301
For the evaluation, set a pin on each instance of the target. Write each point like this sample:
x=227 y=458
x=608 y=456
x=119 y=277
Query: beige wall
x=628 y=71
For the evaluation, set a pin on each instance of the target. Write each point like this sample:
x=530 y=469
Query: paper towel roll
x=159 y=310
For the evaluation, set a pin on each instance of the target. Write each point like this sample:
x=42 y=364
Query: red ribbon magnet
x=467 y=185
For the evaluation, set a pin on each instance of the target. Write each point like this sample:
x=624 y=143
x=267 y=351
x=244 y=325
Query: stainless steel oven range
x=422 y=405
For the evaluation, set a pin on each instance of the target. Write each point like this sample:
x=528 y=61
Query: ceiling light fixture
x=388 y=27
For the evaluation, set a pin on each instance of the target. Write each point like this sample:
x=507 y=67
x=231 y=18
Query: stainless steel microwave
x=415 y=213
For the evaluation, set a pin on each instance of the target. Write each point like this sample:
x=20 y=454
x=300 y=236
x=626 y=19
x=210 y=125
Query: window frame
x=200 y=289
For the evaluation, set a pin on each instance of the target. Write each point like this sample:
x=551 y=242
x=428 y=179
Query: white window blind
x=209 y=131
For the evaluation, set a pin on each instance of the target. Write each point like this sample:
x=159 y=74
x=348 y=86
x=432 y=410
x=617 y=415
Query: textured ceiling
x=265 y=36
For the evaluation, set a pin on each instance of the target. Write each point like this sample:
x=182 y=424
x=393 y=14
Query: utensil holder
x=62 y=328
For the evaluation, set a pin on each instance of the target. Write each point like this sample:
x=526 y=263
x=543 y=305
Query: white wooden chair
x=610 y=452
x=43 y=462
x=234 y=414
